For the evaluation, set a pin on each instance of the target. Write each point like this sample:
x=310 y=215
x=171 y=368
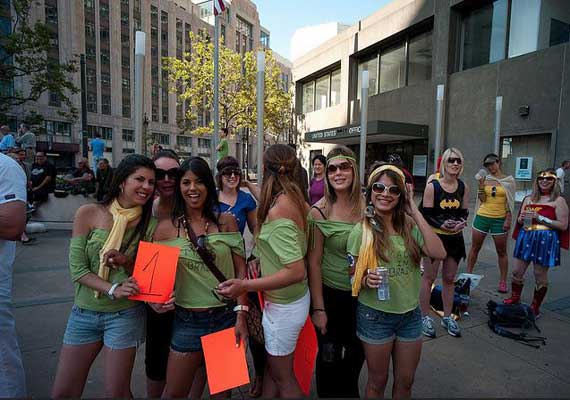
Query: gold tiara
x=547 y=174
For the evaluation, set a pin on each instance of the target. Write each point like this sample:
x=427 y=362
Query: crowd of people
x=343 y=253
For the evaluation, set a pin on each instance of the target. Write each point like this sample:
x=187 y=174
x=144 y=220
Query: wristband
x=111 y=291
x=241 y=307
x=318 y=310
x=546 y=220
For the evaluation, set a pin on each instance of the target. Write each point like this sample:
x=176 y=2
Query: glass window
x=372 y=67
x=308 y=97
x=203 y=142
x=484 y=34
x=419 y=58
x=393 y=68
x=128 y=135
x=559 y=32
x=184 y=141
x=335 y=87
x=322 y=92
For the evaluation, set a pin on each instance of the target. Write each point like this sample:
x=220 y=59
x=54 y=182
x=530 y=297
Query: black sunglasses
x=546 y=178
x=379 y=188
x=493 y=191
x=172 y=173
x=343 y=166
x=454 y=160
x=228 y=172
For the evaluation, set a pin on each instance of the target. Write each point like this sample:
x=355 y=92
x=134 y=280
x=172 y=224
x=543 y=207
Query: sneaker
x=502 y=287
x=451 y=325
x=427 y=327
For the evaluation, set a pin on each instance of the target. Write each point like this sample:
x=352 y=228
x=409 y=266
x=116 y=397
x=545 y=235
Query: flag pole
x=216 y=89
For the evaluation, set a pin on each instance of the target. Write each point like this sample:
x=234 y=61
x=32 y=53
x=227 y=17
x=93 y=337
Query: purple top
x=317 y=190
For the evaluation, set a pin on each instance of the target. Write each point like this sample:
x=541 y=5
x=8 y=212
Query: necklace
x=200 y=240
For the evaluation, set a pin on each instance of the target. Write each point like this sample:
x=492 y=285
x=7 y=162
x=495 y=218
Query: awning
x=378 y=131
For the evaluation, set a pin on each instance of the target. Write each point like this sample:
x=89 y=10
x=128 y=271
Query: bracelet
x=318 y=310
x=241 y=307
x=544 y=219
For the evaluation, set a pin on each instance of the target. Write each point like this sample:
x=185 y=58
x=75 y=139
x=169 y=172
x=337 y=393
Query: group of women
x=333 y=261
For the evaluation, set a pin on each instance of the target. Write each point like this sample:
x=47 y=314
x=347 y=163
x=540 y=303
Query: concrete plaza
x=480 y=364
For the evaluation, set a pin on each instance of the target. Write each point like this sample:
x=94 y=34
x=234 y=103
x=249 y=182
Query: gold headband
x=547 y=174
x=340 y=156
x=383 y=168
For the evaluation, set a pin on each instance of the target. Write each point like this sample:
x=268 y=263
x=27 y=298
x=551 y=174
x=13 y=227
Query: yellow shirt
x=495 y=204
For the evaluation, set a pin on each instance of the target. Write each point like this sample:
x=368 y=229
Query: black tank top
x=448 y=205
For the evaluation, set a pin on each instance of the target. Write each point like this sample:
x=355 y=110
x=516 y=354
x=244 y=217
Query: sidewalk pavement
x=480 y=364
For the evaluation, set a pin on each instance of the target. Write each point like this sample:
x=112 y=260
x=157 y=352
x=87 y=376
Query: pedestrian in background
x=317 y=185
x=495 y=206
x=103 y=179
x=102 y=251
x=223 y=148
x=97 y=148
x=282 y=245
x=212 y=250
x=333 y=309
x=8 y=142
x=387 y=247
x=159 y=321
x=445 y=205
x=27 y=140
x=561 y=174
x=542 y=228
x=12 y=225
x=42 y=179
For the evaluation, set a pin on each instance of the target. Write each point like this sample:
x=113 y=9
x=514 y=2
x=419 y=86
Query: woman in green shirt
x=387 y=245
x=340 y=355
x=106 y=235
x=281 y=245
x=209 y=243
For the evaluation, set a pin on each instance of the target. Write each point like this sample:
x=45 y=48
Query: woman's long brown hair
x=355 y=189
x=281 y=169
x=402 y=223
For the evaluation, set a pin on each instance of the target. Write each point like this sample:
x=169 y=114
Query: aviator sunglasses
x=172 y=173
x=228 y=172
x=343 y=166
x=380 y=188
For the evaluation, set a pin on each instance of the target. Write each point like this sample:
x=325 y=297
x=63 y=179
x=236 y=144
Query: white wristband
x=111 y=291
x=241 y=307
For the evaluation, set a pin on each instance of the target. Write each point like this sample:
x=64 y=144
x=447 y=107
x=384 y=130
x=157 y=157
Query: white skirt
x=282 y=324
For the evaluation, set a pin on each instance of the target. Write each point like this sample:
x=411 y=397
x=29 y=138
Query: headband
x=340 y=156
x=383 y=168
x=547 y=174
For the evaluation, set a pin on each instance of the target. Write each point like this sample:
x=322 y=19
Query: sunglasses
x=546 y=178
x=493 y=191
x=228 y=172
x=454 y=160
x=343 y=166
x=172 y=173
x=379 y=188
x=488 y=163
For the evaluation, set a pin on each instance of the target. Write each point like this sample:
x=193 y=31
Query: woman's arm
x=315 y=257
x=561 y=222
x=481 y=190
x=433 y=247
x=252 y=221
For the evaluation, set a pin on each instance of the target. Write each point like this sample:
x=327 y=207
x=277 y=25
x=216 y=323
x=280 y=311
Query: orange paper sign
x=226 y=366
x=155 y=271
x=305 y=356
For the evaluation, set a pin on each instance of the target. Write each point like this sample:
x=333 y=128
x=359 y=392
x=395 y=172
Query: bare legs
x=280 y=375
x=477 y=239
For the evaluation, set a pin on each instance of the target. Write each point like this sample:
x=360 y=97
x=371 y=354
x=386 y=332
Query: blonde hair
x=536 y=193
x=280 y=175
x=445 y=159
x=355 y=196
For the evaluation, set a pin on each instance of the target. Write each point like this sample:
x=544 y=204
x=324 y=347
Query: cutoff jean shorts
x=379 y=327
x=117 y=330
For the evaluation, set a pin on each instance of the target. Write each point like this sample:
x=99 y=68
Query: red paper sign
x=155 y=272
x=305 y=356
x=226 y=366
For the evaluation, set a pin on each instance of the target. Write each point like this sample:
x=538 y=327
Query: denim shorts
x=190 y=326
x=378 y=327
x=117 y=330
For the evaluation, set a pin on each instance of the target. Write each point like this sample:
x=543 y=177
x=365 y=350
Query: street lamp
x=145 y=127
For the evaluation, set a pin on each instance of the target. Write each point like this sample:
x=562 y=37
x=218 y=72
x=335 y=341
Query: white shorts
x=282 y=324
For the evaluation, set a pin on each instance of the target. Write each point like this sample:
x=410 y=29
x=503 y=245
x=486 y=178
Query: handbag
x=253 y=317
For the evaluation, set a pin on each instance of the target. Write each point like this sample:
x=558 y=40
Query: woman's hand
x=232 y=288
x=164 y=307
x=253 y=269
x=411 y=207
x=126 y=289
x=320 y=320
x=372 y=279
x=241 y=331
x=115 y=259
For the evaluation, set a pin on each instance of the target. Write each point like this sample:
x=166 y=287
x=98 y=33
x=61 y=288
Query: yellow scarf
x=121 y=218
x=367 y=258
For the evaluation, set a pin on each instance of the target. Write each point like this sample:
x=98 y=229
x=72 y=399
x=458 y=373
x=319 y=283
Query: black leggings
x=158 y=336
x=341 y=355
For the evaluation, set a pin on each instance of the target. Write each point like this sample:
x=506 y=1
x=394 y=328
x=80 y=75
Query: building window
x=559 y=32
x=106 y=133
x=58 y=128
x=264 y=39
x=184 y=141
x=128 y=151
x=92 y=102
x=54 y=100
x=419 y=58
x=161 y=138
x=106 y=104
x=322 y=92
x=392 y=69
x=128 y=135
x=308 y=97
x=204 y=142
x=370 y=65
x=335 y=88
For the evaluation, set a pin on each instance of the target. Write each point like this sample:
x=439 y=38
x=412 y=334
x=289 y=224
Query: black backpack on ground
x=518 y=316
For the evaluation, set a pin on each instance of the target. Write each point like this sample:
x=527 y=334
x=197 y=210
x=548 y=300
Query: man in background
x=561 y=173
x=42 y=179
x=98 y=148
x=223 y=148
x=103 y=179
x=8 y=142
x=27 y=140
x=12 y=224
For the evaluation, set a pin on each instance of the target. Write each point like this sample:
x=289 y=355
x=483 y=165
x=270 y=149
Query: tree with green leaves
x=192 y=77
x=24 y=48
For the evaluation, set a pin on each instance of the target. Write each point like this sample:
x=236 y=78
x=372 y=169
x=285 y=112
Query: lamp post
x=140 y=48
x=363 y=122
